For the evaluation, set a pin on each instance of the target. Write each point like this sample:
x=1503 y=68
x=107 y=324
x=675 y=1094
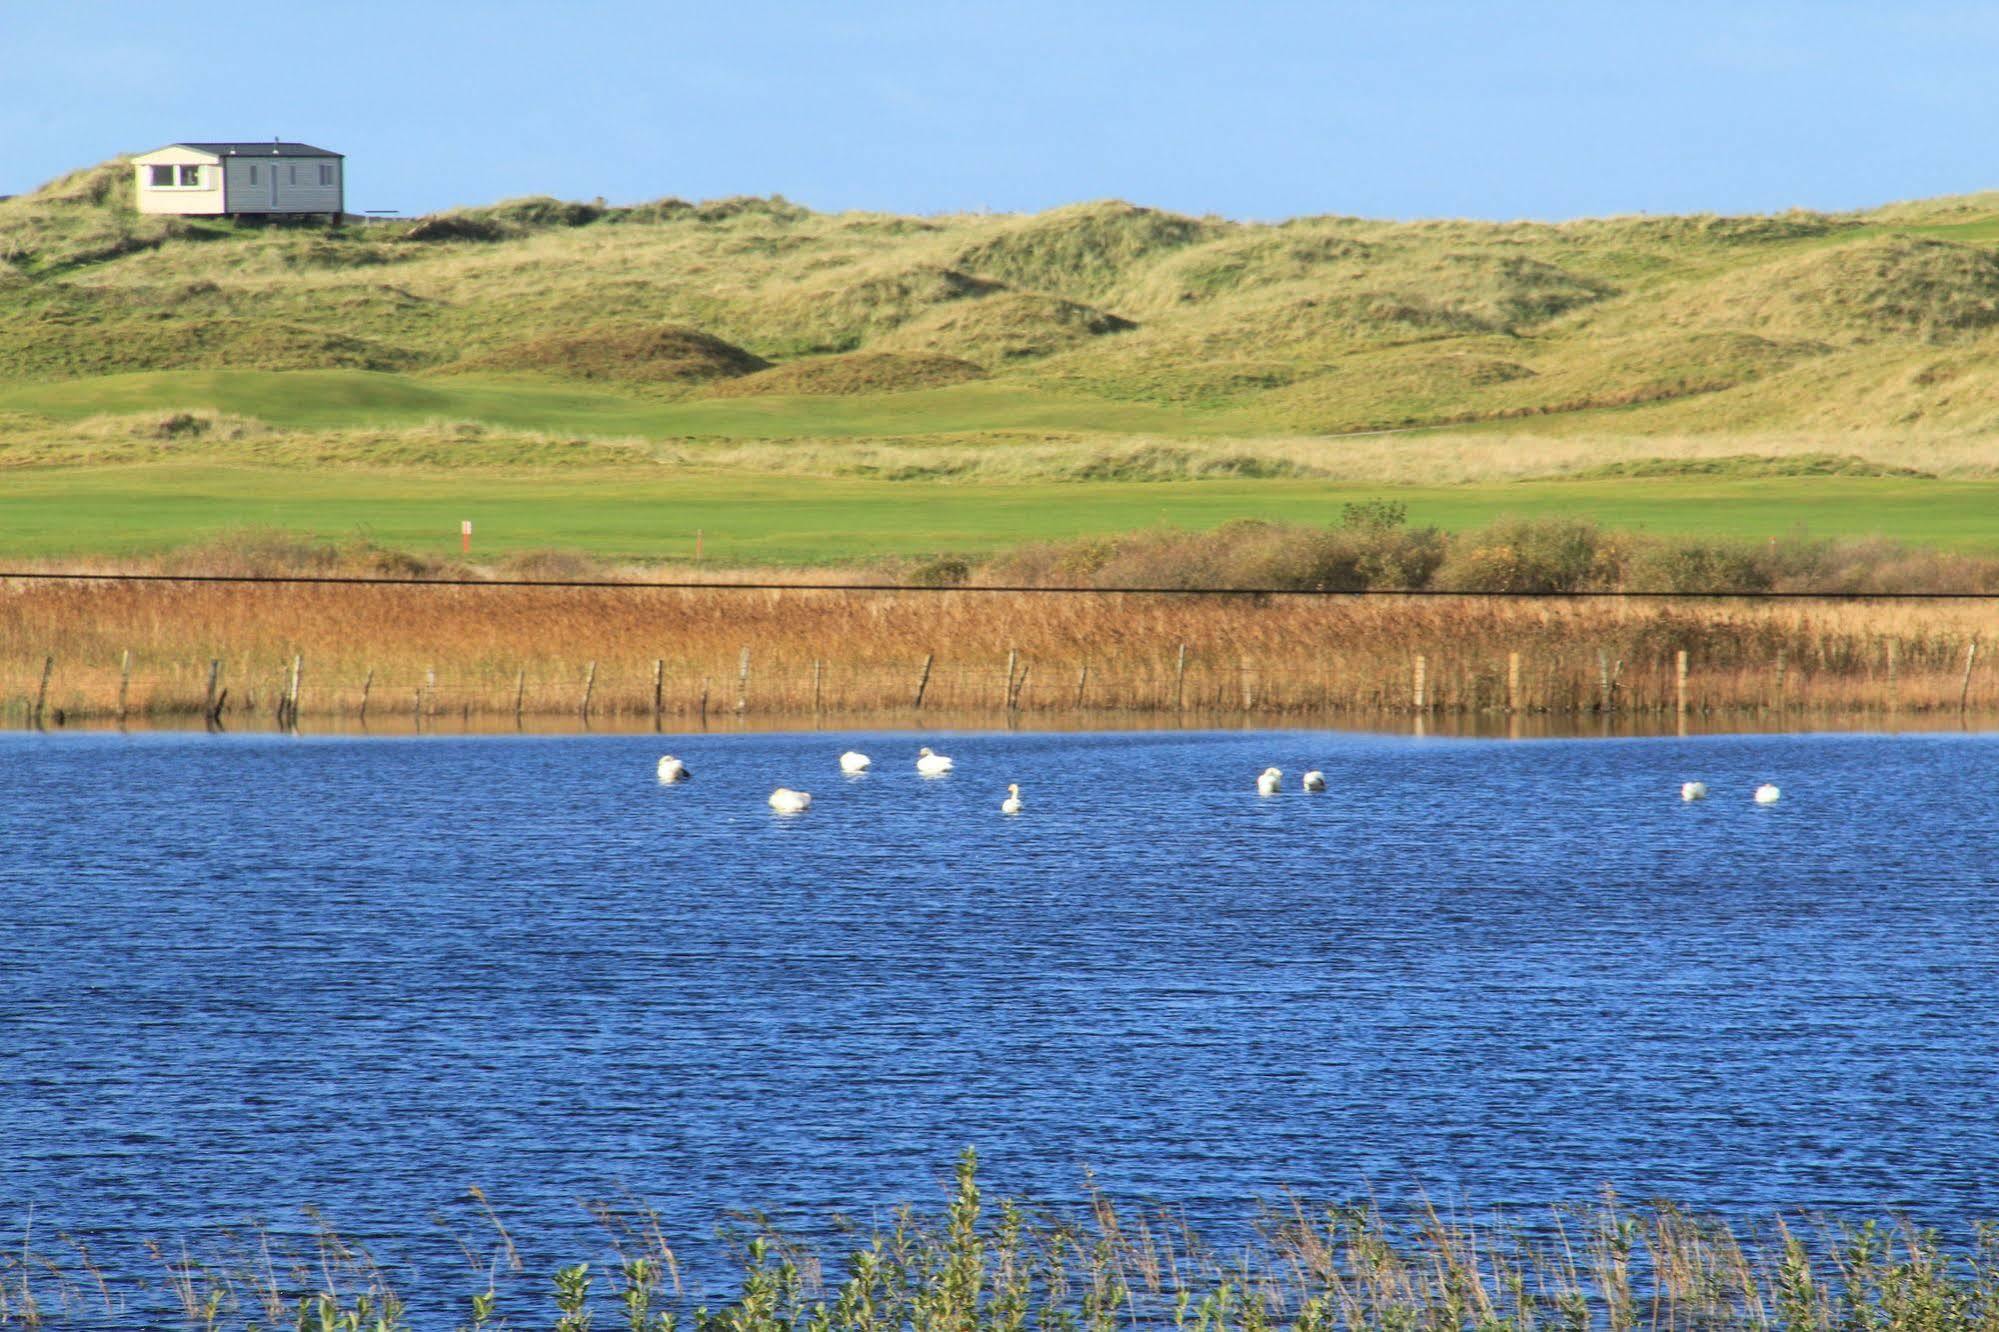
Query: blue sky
x=1246 y=109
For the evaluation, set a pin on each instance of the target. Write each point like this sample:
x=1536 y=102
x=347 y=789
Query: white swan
x=672 y=769
x=1267 y=780
x=1768 y=794
x=1012 y=804
x=931 y=765
x=787 y=801
x=1693 y=790
x=852 y=761
x=1315 y=780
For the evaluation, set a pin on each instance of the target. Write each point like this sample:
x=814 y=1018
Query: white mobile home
x=237 y=178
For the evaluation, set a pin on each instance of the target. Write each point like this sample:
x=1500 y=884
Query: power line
x=1006 y=589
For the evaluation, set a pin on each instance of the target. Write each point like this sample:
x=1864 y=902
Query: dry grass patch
x=853 y=372
x=632 y=353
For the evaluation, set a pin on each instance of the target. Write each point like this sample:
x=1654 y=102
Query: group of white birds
x=854 y=763
x=1271 y=780
x=931 y=764
x=1766 y=794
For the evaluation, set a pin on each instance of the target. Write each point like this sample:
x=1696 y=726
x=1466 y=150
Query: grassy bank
x=780 y=519
x=456 y=651
x=975 y=1265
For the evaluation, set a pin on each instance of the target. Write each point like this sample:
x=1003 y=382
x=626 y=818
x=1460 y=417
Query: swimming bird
x=672 y=769
x=1768 y=794
x=1315 y=780
x=787 y=801
x=1693 y=790
x=931 y=765
x=852 y=761
x=1012 y=804
x=1267 y=780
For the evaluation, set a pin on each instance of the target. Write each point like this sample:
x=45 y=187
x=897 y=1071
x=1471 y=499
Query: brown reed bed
x=83 y=651
x=975 y=1266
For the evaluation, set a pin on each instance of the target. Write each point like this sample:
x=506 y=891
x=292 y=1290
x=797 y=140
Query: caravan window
x=190 y=175
x=162 y=175
x=325 y=174
x=253 y=173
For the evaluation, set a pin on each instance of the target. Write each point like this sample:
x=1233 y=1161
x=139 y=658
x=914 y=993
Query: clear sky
x=1249 y=109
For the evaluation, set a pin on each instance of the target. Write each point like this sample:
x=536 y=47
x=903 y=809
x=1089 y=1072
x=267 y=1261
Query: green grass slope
x=803 y=386
x=1316 y=325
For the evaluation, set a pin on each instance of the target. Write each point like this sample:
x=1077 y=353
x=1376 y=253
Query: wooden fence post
x=1603 y=699
x=367 y=687
x=1894 y=681
x=658 y=687
x=1680 y=683
x=743 y=684
x=1242 y=678
x=42 y=694
x=1012 y=663
x=211 y=707
x=923 y=680
x=1019 y=684
x=1082 y=682
x=1179 y=681
x=704 y=700
x=124 y=680
x=1513 y=682
x=589 y=688
x=1964 y=688
x=1780 y=679
x=1418 y=683
x=291 y=694
x=818 y=674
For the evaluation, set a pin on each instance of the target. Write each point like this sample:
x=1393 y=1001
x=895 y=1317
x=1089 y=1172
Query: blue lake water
x=243 y=974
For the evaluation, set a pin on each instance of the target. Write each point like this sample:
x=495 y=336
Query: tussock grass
x=854 y=372
x=968 y=1263
x=632 y=353
x=1013 y=326
x=1428 y=458
x=1313 y=324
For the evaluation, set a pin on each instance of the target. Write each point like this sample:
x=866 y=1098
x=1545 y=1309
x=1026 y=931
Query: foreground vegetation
x=1010 y=1267
x=625 y=653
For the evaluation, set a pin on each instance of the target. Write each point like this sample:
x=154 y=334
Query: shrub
x=1544 y=555
x=1697 y=566
x=944 y=571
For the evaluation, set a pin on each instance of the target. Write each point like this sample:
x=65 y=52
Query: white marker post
x=465 y=537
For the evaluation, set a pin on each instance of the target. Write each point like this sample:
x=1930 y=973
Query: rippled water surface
x=238 y=975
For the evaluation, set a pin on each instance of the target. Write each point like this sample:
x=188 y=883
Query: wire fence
x=992 y=589
x=1841 y=677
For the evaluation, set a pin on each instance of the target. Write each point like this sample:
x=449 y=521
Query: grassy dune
x=806 y=387
x=1837 y=321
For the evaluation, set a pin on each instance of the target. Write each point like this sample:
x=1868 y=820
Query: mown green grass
x=653 y=514
x=320 y=398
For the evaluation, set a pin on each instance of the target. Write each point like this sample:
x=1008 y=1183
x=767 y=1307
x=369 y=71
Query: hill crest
x=1311 y=324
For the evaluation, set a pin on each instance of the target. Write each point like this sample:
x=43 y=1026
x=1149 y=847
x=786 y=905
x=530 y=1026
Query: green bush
x=1697 y=566
x=1548 y=555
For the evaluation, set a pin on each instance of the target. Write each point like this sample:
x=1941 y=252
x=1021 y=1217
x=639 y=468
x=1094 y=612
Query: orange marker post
x=465 y=537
